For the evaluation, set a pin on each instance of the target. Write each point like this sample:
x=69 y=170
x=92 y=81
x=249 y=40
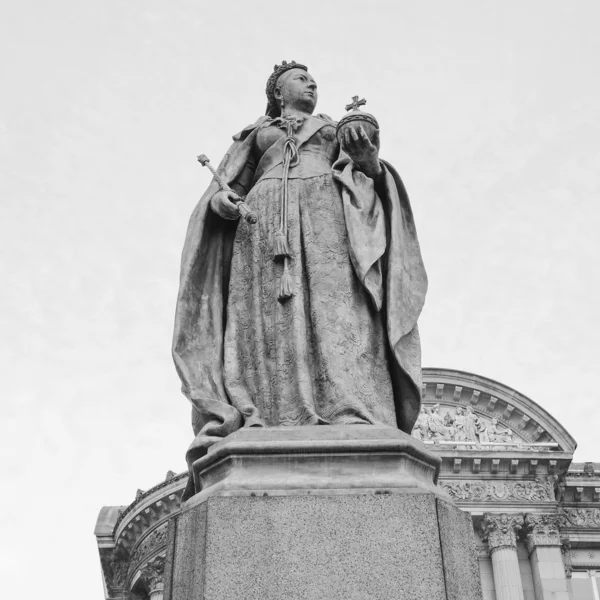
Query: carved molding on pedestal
x=543 y=530
x=500 y=531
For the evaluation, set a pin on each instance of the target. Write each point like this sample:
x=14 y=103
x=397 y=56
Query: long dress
x=345 y=348
x=320 y=356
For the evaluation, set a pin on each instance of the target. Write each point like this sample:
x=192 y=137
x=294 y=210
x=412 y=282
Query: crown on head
x=278 y=71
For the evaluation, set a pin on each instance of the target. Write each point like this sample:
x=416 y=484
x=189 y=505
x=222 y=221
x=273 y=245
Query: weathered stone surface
x=311 y=547
x=317 y=460
x=322 y=513
x=189 y=567
x=461 y=569
x=170 y=558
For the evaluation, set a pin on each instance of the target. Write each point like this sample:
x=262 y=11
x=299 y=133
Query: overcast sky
x=489 y=110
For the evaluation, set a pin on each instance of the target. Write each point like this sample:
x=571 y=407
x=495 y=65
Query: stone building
x=505 y=460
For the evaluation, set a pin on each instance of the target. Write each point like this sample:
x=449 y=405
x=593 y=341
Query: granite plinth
x=353 y=514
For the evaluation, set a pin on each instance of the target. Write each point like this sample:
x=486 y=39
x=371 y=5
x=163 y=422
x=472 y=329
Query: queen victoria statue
x=308 y=316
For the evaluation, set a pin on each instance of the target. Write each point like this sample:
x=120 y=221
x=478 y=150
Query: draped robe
x=384 y=252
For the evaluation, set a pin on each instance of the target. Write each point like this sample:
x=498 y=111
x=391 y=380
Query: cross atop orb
x=356 y=103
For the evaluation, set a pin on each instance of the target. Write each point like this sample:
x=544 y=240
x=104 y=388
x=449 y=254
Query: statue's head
x=459 y=411
x=290 y=85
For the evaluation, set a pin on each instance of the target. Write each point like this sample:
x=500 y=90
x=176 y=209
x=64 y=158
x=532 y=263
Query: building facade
x=535 y=512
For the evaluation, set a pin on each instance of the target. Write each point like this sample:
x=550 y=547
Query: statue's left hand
x=363 y=152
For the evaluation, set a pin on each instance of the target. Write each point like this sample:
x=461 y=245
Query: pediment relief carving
x=524 y=418
x=463 y=426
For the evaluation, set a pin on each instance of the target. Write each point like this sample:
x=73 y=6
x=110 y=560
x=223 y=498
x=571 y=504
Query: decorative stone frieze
x=155 y=541
x=582 y=517
x=543 y=530
x=500 y=531
x=588 y=558
x=539 y=490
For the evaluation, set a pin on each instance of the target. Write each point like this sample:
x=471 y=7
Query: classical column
x=545 y=553
x=500 y=532
x=153 y=575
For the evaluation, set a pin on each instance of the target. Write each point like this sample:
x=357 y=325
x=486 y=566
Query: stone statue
x=472 y=425
x=460 y=422
x=309 y=316
x=421 y=428
x=493 y=433
x=438 y=428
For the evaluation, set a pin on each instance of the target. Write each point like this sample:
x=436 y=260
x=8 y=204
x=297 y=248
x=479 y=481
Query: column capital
x=500 y=530
x=542 y=530
x=153 y=573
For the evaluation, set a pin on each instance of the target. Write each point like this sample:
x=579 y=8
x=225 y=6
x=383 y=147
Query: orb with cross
x=356 y=118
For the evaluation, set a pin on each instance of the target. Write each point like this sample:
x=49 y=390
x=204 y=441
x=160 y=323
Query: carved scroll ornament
x=540 y=490
x=582 y=517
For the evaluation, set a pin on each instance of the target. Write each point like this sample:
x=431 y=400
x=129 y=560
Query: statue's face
x=297 y=89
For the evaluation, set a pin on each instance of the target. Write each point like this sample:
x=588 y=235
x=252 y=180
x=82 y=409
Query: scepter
x=242 y=207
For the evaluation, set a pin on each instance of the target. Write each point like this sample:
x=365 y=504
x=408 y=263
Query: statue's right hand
x=222 y=203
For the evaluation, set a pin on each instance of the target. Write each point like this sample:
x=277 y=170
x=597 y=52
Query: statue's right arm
x=222 y=201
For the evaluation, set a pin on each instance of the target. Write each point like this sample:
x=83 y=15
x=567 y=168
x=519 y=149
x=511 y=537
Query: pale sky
x=489 y=110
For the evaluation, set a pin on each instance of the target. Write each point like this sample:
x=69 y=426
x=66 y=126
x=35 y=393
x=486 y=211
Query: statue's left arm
x=363 y=151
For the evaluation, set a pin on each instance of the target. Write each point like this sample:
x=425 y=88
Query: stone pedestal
x=320 y=513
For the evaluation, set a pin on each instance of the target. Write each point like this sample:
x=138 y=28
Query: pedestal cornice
x=330 y=460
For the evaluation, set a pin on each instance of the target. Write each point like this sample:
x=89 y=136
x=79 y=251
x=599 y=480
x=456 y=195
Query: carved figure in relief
x=460 y=421
x=462 y=426
x=421 y=428
x=561 y=486
x=437 y=427
x=309 y=316
x=472 y=425
x=493 y=433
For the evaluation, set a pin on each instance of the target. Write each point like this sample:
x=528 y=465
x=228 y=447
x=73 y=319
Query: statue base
x=324 y=512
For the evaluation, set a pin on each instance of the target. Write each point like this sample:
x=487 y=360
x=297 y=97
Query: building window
x=584 y=585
